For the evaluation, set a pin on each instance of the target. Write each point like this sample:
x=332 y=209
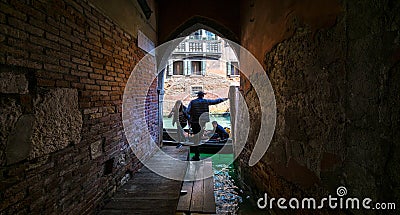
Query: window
x=196 y=35
x=178 y=68
x=195 y=89
x=210 y=36
x=196 y=68
x=232 y=68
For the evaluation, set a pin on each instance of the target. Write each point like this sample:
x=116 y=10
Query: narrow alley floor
x=147 y=192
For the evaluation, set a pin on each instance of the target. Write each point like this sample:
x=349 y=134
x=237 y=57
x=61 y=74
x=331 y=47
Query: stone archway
x=198 y=22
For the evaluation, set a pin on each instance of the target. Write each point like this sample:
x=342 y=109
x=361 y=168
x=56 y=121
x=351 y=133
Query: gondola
x=207 y=146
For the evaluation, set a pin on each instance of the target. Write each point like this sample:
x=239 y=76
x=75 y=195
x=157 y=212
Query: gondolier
x=198 y=111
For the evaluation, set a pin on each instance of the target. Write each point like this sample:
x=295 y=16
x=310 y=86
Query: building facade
x=201 y=62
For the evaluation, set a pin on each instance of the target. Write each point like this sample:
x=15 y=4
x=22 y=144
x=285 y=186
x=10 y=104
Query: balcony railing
x=192 y=46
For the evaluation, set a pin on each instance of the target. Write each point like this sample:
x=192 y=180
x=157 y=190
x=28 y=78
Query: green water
x=230 y=197
x=224 y=121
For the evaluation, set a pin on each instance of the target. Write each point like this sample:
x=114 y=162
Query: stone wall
x=372 y=103
x=64 y=66
x=337 y=102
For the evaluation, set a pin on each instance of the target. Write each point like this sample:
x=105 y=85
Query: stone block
x=10 y=112
x=19 y=141
x=13 y=83
x=96 y=149
x=58 y=121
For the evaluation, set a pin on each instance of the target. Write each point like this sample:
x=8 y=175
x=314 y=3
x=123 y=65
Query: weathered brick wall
x=151 y=113
x=337 y=106
x=63 y=69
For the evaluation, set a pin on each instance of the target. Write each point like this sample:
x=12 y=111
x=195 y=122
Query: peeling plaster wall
x=333 y=73
x=276 y=18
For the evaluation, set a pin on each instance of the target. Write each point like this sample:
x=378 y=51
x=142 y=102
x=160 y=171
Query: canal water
x=230 y=197
x=224 y=121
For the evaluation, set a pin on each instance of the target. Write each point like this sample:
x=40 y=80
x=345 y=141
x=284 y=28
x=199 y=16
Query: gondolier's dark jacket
x=199 y=111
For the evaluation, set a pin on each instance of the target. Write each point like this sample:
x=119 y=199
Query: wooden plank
x=139 y=204
x=202 y=198
x=209 y=198
x=185 y=200
x=197 y=202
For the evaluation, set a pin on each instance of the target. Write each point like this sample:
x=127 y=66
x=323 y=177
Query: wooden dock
x=200 y=193
x=148 y=192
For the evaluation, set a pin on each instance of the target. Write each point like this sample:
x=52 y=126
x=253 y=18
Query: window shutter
x=228 y=68
x=203 y=67
x=189 y=67
x=170 y=67
x=184 y=67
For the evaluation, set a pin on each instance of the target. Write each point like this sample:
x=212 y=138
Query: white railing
x=199 y=46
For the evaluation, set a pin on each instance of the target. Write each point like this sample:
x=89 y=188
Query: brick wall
x=56 y=158
x=151 y=113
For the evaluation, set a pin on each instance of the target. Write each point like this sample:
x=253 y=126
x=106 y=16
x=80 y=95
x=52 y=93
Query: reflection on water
x=230 y=197
x=227 y=194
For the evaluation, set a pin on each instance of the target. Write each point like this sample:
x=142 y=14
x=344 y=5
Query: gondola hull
x=209 y=147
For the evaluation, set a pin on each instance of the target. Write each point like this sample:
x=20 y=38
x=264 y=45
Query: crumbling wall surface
x=337 y=102
x=58 y=121
x=179 y=88
x=372 y=117
x=310 y=104
x=63 y=68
